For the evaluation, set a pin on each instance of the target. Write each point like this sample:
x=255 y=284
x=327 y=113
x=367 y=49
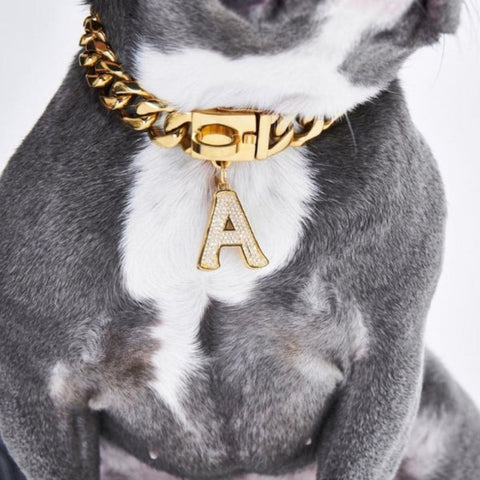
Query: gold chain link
x=118 y=91
x=221 y=134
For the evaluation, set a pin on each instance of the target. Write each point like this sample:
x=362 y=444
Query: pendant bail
x=221 y=178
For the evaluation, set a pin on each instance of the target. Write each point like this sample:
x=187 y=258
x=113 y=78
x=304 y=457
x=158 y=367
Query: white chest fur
x=164 y=226
x=169 y=203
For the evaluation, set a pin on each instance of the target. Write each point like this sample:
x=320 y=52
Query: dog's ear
x=442 y=17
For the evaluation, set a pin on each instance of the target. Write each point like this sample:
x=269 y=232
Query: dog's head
x=291 y=56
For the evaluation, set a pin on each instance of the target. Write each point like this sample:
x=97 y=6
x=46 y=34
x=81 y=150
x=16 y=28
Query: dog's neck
x=200 y=79
x=309 y=78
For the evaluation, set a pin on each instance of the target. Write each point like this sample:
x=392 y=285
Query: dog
x=121 y=360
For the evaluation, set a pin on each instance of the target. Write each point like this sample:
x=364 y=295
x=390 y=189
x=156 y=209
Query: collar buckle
x=238 y=135
x=232 y=135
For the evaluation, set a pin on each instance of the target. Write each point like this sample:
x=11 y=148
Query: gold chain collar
x=220 y=135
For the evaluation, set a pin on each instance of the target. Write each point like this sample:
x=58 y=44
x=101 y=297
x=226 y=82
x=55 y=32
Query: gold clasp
x=233 y=135
x=224 y=135
x=236 y=136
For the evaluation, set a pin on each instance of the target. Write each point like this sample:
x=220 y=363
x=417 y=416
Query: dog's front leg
x=366 y=434
x=46 y=442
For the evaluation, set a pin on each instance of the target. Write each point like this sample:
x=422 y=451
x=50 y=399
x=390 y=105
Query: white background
x=39 y=40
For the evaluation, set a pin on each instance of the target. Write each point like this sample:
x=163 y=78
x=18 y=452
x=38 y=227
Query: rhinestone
x=229 y=226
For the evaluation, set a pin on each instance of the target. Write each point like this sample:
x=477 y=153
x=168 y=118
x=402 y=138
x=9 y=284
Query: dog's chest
x=164 y=225
x=243 y=361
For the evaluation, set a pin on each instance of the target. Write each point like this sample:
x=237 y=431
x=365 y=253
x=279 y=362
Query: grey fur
x=379 y=56
x=355 y=315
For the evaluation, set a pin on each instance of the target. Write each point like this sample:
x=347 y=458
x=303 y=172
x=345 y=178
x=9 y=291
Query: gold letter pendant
x=228 y=226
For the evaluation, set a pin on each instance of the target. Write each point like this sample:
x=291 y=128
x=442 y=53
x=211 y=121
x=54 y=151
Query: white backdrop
x=443 y=86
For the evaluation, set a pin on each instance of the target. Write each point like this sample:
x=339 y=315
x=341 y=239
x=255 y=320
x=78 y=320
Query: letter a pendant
x=228 y=226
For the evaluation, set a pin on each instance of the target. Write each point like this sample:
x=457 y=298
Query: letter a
x=228 y=227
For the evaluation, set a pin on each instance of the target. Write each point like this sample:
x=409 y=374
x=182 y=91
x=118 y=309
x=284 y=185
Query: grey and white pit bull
x=120 y=360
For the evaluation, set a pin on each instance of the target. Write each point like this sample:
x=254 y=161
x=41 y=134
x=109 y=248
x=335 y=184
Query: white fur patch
x=116 y=464
x=305 y=474
x=166 y=219
x=169 y=203
x=427 y=446
x=59 y=383
x=303 y=80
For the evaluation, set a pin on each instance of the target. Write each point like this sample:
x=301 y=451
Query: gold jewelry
x=228 y=226
x=220 y=135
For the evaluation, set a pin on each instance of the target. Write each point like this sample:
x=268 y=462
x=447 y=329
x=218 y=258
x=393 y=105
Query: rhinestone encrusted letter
x=228 y=227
